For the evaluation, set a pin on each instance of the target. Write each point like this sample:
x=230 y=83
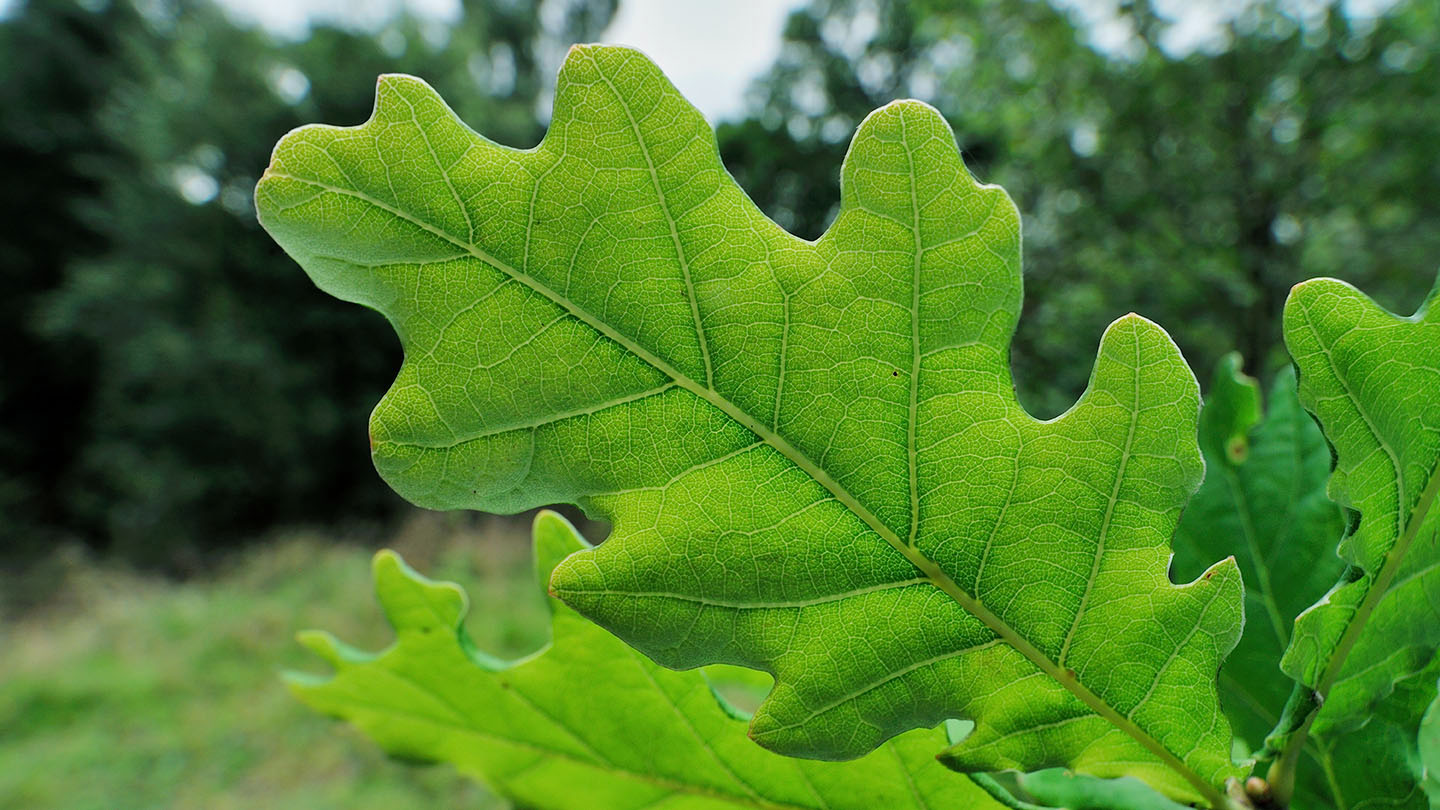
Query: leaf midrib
x=458 y=721
x=932 y=571
x=604 y=765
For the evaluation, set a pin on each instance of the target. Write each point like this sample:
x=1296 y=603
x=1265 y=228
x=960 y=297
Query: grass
x=128 y=692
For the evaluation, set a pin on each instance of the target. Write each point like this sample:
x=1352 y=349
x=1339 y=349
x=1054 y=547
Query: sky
x=713 y=49
x=710 y=49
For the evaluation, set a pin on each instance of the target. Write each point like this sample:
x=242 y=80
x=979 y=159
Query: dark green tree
x=217 y=391
x=45 y=147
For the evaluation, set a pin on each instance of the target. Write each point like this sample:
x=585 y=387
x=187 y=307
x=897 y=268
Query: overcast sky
x=710 y=49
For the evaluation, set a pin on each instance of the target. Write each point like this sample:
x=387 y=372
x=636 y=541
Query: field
x=123 y=691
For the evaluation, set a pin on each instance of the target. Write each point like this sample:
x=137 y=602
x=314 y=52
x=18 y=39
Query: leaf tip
x=949 y=756
x=763 y=725
x=413 y=601
x=562 y=582
x=599 y=51
x=555 y=539
x=326 y=646
x=396 y=81
x=1139 y=327
x=1311 y=287
x=894 y=114
x=386 y=564
x=1134 y=320
x=1233 y=407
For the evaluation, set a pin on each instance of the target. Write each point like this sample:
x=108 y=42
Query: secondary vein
x=940 y=578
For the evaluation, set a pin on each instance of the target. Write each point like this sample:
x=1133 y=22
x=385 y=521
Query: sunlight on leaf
x=1367 y=649
x=587 y=723
x=811 y=453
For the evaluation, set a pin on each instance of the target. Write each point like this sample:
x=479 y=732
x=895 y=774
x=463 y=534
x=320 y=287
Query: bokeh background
x=184 y=476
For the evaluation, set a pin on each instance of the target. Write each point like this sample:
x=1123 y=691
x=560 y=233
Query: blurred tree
x=170 y=380
x=1193 y=188
x=212 y=392
x=45 y=147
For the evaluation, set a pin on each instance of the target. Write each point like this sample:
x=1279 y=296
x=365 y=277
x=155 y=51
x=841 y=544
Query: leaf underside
x=1368 y=647
x=1372 y=379
x=811 y=453
x=588 y=723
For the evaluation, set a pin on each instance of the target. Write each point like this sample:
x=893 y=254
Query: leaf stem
x=1282 y=773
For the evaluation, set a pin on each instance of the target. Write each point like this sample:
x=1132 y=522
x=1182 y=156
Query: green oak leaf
x=1372 y=379
x=1377 y=764
x=588 y=723
x=1264 y=501
x=811 y=452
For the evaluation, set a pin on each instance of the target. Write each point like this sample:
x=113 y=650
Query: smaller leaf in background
x=1372 y=379
x=588 y=723
x=1263 y=500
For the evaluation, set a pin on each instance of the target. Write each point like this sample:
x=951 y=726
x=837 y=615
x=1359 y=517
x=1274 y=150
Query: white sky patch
x=710 y=50
x=713 y=49
x=1197 y=26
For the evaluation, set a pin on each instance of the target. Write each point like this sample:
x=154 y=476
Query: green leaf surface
x=811 y=453
x=588 y=723
x=1264 y=501
x=1057 y=788
x=1377 y=764
x=1429 y=749
x=1372 y=379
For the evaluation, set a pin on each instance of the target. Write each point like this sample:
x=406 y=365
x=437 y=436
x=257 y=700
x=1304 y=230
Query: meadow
x=127 y=691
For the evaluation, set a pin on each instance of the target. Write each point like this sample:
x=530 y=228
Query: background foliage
x=172 y=383
x=1195 y=190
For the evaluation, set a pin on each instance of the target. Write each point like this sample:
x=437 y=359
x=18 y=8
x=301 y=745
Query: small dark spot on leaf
x=894 y=374
x=1238 y=449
